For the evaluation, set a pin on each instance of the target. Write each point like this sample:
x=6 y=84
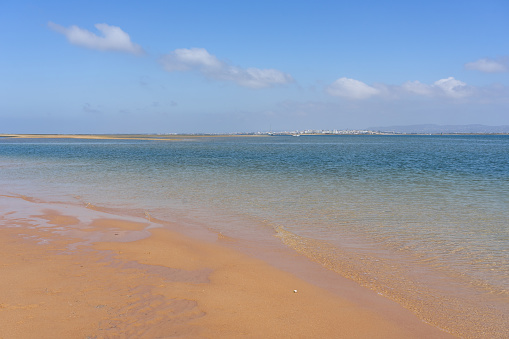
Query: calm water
x=421 y=219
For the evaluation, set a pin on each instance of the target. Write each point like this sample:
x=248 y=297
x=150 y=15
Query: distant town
x=322 y=132
x=344 y=132
x=399 y=130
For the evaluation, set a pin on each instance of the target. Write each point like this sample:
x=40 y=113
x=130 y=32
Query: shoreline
x=177 y=137
x=154 y=137
x=109 y=275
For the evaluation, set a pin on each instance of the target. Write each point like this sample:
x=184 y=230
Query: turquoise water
x=421 y=219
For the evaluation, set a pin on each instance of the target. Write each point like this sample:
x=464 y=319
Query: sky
x=246 y=66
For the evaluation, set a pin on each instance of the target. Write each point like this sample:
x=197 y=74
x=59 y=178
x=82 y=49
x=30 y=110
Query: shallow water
x=420 y=219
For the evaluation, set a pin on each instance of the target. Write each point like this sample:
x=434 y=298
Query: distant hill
x=434 y=129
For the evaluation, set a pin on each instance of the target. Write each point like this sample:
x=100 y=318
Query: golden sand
x=142 y=280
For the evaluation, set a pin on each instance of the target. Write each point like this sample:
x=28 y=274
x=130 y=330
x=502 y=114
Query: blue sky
x=240 y=66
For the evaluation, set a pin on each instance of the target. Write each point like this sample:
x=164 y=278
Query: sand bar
x=153 y=137
x=76 y=272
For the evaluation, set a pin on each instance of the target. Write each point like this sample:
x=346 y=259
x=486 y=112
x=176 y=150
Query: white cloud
x=208 y=65
x=113 y=38
x=452 y=88
x=184 y=59
x=448 y=87
x=351 y=89
x=355 y=89
x=489 y=65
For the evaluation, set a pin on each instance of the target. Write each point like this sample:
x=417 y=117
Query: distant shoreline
x=158 y=137
x=177 y=137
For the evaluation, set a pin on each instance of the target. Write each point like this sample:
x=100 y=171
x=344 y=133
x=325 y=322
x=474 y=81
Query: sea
x=420 y=219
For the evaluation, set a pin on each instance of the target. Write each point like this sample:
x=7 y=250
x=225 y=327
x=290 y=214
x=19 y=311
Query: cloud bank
x=357 y=90
x=199 y=59
x=113 y=38
x=487 y=65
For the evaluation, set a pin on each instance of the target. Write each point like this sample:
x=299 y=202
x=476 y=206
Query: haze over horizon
x=223 y=66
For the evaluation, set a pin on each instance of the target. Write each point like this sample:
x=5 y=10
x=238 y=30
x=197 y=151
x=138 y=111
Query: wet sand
x=77 y=272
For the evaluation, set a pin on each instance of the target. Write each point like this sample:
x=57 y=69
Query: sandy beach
x=78 y=272
x=152 y=137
